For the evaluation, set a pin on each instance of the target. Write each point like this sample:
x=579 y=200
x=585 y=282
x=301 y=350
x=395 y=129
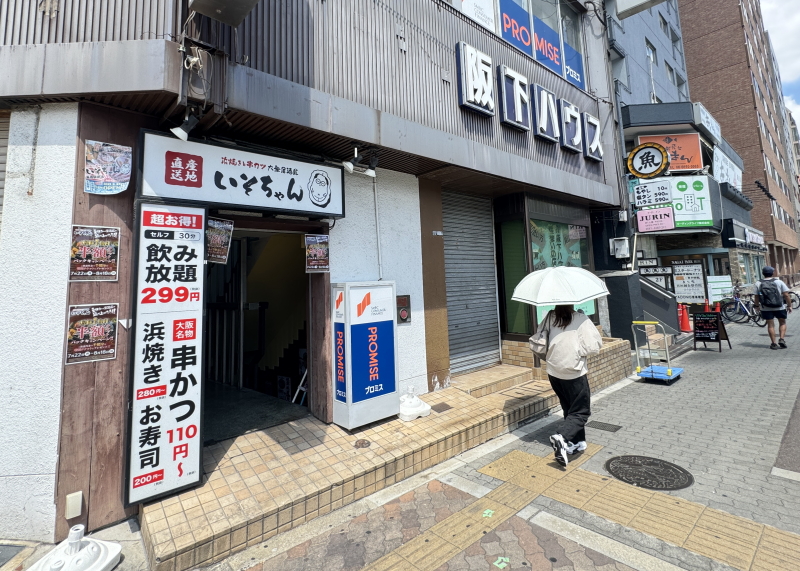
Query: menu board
x=165 y=441
x=709 y=327
x=653 y=192
x=689 y=280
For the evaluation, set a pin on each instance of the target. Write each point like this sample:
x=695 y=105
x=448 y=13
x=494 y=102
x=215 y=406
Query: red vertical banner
x=164 y=438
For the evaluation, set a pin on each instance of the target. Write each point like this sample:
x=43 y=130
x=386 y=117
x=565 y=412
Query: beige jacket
x=570 y=346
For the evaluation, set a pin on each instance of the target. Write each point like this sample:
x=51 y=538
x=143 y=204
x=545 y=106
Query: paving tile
x=427 y=551
x=511 y=495
x=460 y=530
x=726 y=538
x=535 y=482
x=777 y=550
x=618 y=502
x=668 y=518
x=577 y=488
x=507 y=466
x=391 y=562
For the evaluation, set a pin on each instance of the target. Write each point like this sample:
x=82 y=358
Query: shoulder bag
x=540 y=341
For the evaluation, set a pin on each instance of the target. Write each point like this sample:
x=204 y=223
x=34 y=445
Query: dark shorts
x=780 y=314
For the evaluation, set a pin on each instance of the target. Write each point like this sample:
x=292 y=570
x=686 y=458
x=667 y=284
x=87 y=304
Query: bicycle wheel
x=795 y=300
x=742 y=312
x=757 y=318
x=729 y=310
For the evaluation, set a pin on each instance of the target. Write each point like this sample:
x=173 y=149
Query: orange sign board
x=684 y=150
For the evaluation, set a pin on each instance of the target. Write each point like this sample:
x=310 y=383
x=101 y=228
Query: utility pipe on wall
x=377 y=227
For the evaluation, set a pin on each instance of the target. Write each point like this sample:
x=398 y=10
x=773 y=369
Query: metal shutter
x=469 y=267
x=4 y=122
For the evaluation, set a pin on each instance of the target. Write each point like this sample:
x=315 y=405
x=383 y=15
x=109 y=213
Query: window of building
x=670 y=74
x=573 y=45
x=664 y=26
x=651 y=52
x=683 y=91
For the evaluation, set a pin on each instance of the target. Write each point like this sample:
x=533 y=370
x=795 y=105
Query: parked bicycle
x=795 y=300
x=742 y=309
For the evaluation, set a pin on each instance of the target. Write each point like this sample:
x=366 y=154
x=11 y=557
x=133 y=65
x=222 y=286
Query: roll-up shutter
x=471 y=281
x=4 y=122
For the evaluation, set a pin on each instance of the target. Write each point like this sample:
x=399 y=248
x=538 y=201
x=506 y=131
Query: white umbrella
x=559 y=286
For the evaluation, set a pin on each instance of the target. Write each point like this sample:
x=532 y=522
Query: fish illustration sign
x=200 y=172
x=365 y=372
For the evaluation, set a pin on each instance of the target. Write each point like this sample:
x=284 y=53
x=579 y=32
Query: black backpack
x=770 y=294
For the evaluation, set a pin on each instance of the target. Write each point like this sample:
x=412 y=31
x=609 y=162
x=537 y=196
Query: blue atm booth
x=365 y=364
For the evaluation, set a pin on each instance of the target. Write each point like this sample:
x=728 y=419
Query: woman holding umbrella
x=569 y=338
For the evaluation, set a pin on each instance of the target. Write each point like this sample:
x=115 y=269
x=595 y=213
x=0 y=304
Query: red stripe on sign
x=151 y=478
x=170 y=220
x=151 y=392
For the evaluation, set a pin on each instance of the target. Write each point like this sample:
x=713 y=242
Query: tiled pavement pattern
x=269 y=481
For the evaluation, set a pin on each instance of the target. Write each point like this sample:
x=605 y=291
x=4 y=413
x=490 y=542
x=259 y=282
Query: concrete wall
x=354 y=256
x=40 y=181
x=631 y=34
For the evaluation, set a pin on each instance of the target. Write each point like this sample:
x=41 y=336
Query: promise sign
x=164 y=440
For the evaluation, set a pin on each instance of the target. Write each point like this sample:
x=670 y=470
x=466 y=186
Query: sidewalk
x=723 y=421
x=507 y=505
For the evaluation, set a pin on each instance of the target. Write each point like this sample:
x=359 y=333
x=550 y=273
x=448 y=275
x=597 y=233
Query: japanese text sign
x=94 y=254
x=655 y=219
x=165 y=443
x=690 y=285
x=187 y=170
x=652 y=192
x=92 y=333
x=683 y=149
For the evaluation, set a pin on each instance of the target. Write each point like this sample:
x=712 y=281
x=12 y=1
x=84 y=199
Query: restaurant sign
x=165 y=439
x=197 y=172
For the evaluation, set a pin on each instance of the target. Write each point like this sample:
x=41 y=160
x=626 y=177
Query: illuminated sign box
x=365 y=361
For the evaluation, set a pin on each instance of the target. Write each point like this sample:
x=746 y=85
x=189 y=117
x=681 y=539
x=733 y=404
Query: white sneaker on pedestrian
x=573 y=448
x=560 y=449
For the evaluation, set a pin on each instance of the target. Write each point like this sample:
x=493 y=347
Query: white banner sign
x=690 y=286
x=719 y=288
x=691 y=200
x=482 y=11
x=653 y=192
x=164 y=437
x=725 y=170
x=208 y=173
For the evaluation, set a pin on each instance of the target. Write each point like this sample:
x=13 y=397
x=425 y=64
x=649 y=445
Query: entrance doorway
x=256 y=335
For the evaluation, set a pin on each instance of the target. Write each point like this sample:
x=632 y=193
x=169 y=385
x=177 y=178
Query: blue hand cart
x=652 y=372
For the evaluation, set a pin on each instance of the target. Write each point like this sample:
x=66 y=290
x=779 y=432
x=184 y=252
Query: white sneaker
x=560 y=449
x=573 y=448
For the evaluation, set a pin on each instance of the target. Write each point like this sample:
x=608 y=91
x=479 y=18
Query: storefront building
x=710 y=222
x=483 y=148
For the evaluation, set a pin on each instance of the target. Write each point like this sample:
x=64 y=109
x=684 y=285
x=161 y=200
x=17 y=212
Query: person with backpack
x=772 y=298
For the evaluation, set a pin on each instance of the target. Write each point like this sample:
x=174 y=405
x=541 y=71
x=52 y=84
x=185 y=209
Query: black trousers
x=575 y=398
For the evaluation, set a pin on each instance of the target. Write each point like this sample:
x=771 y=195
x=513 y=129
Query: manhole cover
x=362 y=443
x=649 y=473
x=441 y=407
x=603 y=426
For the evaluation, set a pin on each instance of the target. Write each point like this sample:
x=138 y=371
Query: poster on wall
x=199 y=172
x=94 y=254
x=684 y=150
x=482 y=11
x=318 y=259
x=92 y=333
x=219 y=235
x=108 y=168
x=689 y=281
x=555 y=244
x=165 y=441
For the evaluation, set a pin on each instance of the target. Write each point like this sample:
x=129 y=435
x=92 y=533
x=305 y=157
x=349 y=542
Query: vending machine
x=365 y=367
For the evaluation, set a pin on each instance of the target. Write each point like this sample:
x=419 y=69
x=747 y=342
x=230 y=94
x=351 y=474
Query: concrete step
x=492 y=380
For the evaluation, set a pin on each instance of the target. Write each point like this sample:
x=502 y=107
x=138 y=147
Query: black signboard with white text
x=708 y=327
